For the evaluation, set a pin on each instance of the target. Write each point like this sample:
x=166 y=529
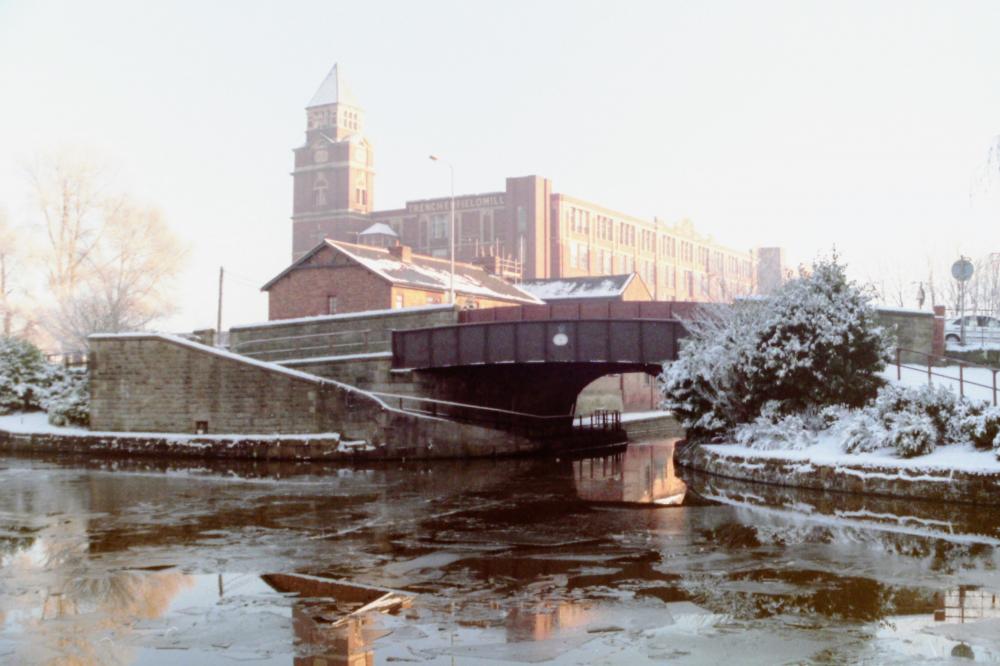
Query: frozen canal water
x=534 y=561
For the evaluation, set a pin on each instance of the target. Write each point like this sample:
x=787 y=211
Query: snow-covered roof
x=421 y=272
x=333 y=90
x=600 y=286
x=379 y=228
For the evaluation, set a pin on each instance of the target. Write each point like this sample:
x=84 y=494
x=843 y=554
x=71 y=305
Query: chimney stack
x=402 y=252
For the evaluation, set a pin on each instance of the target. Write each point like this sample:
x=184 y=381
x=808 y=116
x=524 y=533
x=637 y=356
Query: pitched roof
x=598 y=286
x=379 y=228
x=333 y=90
x=421 y=272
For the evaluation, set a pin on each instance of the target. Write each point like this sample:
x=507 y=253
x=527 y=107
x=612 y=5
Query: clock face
x=320 y=156
x=361 y=155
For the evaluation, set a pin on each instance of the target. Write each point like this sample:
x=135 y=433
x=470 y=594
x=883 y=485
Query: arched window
x=361 y=190
x=319 y=189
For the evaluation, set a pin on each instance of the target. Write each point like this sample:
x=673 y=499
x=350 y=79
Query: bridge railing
x=522 y=423
x=604 y=310
x=614 y=341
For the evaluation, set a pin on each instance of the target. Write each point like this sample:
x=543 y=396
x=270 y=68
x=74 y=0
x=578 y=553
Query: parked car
x=978 y=329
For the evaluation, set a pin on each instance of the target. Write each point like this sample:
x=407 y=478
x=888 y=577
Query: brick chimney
x=489 y=263
x=402 y=252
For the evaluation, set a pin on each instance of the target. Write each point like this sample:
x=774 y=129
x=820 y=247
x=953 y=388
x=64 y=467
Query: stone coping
x=243 y=447
x=926 y=484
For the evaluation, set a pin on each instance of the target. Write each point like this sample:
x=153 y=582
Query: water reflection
x=515 y=560
x=641 y=474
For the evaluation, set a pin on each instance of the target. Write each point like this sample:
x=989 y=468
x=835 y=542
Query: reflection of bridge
x=536 y=359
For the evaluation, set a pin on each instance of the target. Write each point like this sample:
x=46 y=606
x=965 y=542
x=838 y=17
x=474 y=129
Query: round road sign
x=962 y=269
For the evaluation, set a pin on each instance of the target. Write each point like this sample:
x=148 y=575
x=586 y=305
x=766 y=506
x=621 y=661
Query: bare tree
x=110 y=259
x=124 y=284
x=8 y=256
x=67 y=189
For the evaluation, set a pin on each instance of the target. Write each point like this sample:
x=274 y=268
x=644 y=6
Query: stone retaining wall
x=914 y=330
x=150 y=383
x=938 y=485
x=432 y=439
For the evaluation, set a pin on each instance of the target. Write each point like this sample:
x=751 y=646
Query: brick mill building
x=526 y=224
x=336 y=277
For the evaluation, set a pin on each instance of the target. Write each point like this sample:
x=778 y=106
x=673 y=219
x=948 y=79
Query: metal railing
x=530 y=425
x=934 y=367
x=601 y=419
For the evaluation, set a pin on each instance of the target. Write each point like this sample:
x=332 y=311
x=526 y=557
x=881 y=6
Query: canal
x=610 y=559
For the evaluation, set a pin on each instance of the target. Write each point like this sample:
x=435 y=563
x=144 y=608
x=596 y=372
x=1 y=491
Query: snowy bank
x=953 y=474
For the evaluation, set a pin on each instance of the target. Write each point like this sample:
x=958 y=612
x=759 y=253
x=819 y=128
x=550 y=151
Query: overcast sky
x=807 y=125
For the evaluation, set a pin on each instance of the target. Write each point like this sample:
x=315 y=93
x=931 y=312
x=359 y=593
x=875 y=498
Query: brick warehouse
x=544 y=233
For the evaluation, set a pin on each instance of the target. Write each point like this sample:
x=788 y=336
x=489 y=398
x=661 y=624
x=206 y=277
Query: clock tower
x=333 y=180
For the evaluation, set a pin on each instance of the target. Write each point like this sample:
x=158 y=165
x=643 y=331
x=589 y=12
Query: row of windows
x=480 y=229
x=608 y=263
x=579 y=222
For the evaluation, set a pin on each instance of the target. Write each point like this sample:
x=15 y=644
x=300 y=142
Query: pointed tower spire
x=333 y=90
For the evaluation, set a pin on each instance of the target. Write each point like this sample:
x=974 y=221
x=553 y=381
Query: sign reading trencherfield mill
x=461 y=203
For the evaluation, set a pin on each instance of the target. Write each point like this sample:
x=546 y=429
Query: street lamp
x=451 y=233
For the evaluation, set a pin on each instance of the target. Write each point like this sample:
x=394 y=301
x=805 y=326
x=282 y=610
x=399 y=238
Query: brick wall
x=304 y=292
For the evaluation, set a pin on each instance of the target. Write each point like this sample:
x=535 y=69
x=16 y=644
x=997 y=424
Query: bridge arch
x=531 y=366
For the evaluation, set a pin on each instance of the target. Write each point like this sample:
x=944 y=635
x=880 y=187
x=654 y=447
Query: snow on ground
x=971 y=345
x=828 y=451
x=37 y=423
x=977 y=382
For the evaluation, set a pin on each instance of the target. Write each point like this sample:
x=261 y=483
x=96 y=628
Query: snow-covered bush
x=25 y=376
x=700 y=387
x=911 y=434
x=937 y=403
x=68 y=399
x=774 y=431
x=981 y=426
x=863 y=432
x=815 y=343
x=28 y=382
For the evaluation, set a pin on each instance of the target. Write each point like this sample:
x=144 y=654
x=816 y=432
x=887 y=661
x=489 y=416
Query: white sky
x=801 y=124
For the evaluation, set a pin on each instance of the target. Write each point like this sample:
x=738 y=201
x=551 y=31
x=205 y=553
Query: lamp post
x=451 y=232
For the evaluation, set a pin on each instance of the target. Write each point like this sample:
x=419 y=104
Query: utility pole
x=451 y=235
x=218 y=314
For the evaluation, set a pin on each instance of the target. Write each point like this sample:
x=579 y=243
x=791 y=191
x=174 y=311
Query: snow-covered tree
x=815 y=342
x=819 y=344
x=25 y=376
x=67 y=400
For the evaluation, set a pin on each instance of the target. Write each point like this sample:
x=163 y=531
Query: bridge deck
x=647 y=342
